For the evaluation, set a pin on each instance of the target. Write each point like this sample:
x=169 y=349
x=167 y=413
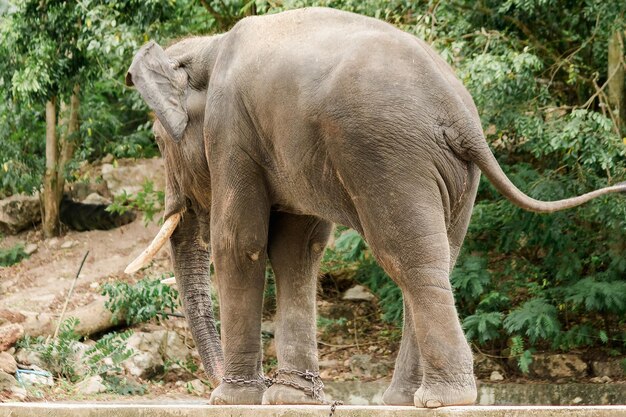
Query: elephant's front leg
x=239 y=237
x=296 y=245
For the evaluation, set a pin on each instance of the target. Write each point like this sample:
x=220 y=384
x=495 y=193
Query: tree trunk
x=67 y=142
x=50 y=195
x=617 y=98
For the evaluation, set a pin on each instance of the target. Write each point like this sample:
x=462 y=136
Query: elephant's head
x=174 y=84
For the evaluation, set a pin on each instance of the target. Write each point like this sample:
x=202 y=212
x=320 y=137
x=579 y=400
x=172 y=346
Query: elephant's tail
x=482 y=156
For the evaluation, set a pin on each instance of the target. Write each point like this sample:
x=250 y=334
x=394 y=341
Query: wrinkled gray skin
x=289 y=123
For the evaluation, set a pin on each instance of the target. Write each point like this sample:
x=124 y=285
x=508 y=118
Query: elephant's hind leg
x=407 y=373
x=296 y=244
x=410 y=240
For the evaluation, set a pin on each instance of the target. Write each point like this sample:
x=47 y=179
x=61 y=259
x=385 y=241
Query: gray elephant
x=289 y=123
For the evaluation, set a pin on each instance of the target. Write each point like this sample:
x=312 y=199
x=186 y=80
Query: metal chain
x=333 y=407
x=242 y=382
x=315 y=391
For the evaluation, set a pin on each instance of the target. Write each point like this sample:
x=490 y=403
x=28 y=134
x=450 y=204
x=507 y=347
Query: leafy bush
x=12 y=255
x=148 y=200
x=61 y=354
x=146 y=300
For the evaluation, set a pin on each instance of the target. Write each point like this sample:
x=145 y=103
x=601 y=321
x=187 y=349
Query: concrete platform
x=187 y=410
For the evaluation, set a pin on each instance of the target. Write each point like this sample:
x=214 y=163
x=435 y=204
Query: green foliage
x=351 y=252
x=536 y=318
x=536 y=70
x=62 y=354
x=146 y=300
x=483 y=326
x=112 y=346
x=330 y=326
x=48 y=47
x=148 y=200
x=12 y=255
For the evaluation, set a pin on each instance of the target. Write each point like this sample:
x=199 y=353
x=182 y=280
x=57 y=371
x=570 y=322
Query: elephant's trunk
x=192 y=268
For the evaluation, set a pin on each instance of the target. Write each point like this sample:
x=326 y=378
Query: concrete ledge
x=187 y=410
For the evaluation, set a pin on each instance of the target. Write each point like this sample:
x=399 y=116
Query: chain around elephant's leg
x=296 y=244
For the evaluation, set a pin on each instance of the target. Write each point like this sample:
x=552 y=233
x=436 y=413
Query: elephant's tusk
x=159 y=240
x=169 y=281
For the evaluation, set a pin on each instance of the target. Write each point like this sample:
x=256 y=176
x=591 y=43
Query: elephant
x=285 y=125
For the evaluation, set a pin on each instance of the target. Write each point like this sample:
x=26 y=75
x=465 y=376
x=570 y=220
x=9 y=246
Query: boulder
x=30 y=248
x=95 y=198
x=358 y=293
x=9 y=334
x=612 y=368
x=7 y=381
x=7 y=363
x=551 y=366
x=152 y=350
x=19 y=212
x=197 y=386
x=130 y=178
x=496 y=376
x=28 y=357
x=91 y=385
x=484 y=366
x=36 y=376
x=362 y=365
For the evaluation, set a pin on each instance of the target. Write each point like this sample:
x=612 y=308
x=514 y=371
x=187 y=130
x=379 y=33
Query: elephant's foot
x=398 y=396
x=282 y=394
x=232 y=394
x=439 y=395
x=310 y=389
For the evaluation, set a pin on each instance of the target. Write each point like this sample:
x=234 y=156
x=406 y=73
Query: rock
x=19 y=212
x=496 y=376
x=144 y=364
x=91 y=385
x=197 y=386
x=172 y=345
x=611 y=368
x=36 y=376
x=108 y=158
x=7 y=382
x=358 y=293
x=30 y=249
x=9 y=334
x=328 y=363
x=362 y=365
x=334 y=311
x=152 y=350
x=577 y=400
x=558 y=366
x=28 y=357
x=130 y=178
x=95 y=198
x=19 y=393
x=53 y=243
x=69 y=244
x=484 y=366
x=7 y=363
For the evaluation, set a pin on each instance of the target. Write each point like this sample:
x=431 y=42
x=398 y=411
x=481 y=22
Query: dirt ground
x=41 y=282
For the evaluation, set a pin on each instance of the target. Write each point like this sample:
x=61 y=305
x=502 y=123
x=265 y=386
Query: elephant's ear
x=162 y=85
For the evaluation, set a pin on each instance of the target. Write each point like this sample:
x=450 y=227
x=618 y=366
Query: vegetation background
x=547 y=77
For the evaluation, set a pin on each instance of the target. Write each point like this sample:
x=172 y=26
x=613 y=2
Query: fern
x=483 y=326
x=599 y=296
x=470 y=277
x=536 y=318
